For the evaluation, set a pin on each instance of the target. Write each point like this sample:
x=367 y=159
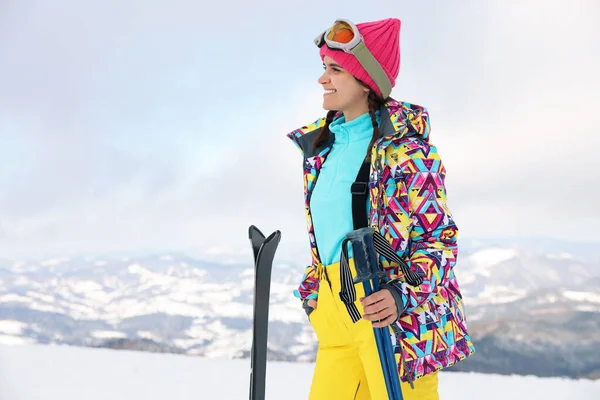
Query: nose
x=324 y=79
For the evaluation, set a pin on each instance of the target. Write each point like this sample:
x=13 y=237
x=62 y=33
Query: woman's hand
x=312 y=303
x=380 y=307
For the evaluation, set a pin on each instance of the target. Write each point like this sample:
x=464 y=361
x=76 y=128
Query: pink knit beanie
x=382 y=38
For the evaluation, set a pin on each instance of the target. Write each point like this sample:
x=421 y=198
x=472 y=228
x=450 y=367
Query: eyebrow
x=333 y=65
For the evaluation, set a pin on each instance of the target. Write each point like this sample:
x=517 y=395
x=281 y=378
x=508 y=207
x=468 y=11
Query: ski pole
x=368 y=271
x=389 y=351
x=383 y=352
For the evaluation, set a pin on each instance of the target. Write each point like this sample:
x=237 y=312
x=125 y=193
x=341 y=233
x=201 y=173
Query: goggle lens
x=341 y=32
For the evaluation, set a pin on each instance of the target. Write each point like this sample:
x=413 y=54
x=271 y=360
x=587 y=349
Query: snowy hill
x=526 y=304
x=71 y=373
x=203 y=308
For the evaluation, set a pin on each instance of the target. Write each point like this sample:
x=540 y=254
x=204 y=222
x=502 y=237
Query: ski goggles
x=344 y=36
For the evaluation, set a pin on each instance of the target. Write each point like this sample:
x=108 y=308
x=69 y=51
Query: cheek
x=357 y=93
x=345 y=87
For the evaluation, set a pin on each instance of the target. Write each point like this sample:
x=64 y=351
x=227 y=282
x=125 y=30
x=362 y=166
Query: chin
x=328 y=106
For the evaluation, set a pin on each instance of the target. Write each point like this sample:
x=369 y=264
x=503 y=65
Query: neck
x=355 y=112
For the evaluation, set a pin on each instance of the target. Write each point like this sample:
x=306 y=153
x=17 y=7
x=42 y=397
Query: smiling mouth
x=329 y=92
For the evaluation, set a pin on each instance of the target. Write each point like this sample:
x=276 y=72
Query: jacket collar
x=398 y=119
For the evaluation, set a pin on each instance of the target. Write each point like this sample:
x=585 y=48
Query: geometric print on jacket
x=408 y=206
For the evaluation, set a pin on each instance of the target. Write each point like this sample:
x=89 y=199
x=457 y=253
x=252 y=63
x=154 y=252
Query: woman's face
x=342 y=91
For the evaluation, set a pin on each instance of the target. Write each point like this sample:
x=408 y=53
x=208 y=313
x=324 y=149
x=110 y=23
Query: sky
x=146 y=125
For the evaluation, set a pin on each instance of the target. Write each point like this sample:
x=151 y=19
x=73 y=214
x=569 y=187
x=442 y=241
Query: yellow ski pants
x=348 y=365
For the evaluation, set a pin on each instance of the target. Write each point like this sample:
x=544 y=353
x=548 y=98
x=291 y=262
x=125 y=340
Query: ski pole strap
x=383 y=247
x=360 y=194
x=348 y=292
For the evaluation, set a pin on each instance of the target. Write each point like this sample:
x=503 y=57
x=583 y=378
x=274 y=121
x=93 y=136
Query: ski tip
x=253 y=229
x=274 y=236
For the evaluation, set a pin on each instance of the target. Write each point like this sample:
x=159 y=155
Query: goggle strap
x=320 y=40
x=372 y=66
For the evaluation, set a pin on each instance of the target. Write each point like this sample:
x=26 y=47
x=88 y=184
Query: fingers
x=376 y=297
x=382 y=324
x=312 y=303
x=381 y=315
x=377 y=307
x=377 y=301
x=380 y=308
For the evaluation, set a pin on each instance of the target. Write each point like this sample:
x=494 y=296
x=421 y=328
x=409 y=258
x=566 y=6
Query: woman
x=406 y=203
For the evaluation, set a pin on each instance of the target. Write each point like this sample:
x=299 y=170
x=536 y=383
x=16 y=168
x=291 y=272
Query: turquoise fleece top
x=331 y=200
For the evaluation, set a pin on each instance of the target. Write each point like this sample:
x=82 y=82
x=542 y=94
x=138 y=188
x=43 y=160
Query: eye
x=333 y=68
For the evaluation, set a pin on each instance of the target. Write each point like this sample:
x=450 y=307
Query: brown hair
x=375 y=103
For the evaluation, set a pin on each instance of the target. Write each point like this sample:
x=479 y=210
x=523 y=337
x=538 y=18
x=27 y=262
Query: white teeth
x=331 y=91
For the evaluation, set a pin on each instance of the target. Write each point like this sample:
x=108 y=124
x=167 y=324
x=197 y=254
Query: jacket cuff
x=307 y=309
x=398 y=296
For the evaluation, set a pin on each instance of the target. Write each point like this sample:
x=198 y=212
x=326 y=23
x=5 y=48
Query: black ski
x=264 y=252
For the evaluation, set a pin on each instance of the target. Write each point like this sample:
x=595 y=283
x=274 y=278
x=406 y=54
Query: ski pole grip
x=364 y=254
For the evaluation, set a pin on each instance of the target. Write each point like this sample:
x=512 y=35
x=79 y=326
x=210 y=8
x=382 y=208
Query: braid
x=323 y=136
x=374 y=104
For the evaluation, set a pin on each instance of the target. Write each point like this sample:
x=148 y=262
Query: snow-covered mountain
x=514 y=294
x=495 y=275
x=199 y=307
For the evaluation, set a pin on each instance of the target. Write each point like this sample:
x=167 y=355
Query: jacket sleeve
x=432 y=247
x=309 y=286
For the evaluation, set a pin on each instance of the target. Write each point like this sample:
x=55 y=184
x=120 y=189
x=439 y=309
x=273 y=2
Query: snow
x=183 y=270
x=306 y=340
x=179 y=292
x=9 y=298
x=84 y=287
x=22 y=267
x=188 y=343
x=71 y=373
x=561 y=256
x=46 y=308
x=550 y=298
x=553 y=275
x=132 y=307
x=22 y=281
x=10 y=327
x=108 y=334
x=487 y=258
x=149 y=335
x=587 y=308
x=497 y=294
x=13 y=340
x=147 y=276
x=592 y=297
x=41 y=296
x=248 y=273
x=283 y=307
x=54 y=262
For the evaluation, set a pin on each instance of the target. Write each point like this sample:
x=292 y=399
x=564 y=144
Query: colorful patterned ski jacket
x=408 y=207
